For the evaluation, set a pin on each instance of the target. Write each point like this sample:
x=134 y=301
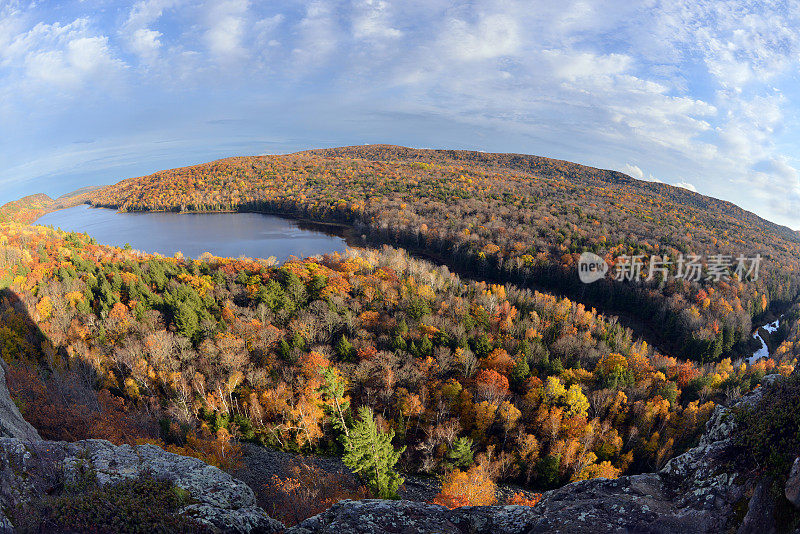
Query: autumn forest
x=457 y=330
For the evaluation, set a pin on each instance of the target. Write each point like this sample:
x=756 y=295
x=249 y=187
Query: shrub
x=522 y=499
x=473 y=487
x=308 y=491
x=768 y=433
x=143 y=504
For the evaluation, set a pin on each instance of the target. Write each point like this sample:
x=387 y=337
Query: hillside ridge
x=534 y=164
x=509 y=160
x=510 y=218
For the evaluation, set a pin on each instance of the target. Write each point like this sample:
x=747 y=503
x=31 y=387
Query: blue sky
x=702 y=94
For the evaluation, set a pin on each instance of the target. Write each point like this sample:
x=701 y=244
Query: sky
x=699 y=94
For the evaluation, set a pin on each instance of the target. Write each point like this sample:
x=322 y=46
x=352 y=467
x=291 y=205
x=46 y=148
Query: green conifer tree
x=460 y=455
x=521 y=370
x=370 y=454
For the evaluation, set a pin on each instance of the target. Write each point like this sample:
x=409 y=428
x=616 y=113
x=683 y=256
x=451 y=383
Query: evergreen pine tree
x=345 y=350
x=521 y=370
x=370 y=454
x=460 y=455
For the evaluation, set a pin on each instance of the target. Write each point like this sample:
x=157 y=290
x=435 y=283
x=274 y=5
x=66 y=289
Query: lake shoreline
x=254 y=234
x=353 y=238
x=343 y=230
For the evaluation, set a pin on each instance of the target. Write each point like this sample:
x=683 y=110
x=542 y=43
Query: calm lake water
x=222 y=234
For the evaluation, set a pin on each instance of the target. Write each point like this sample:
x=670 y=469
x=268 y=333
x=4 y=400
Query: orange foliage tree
x=473 y=487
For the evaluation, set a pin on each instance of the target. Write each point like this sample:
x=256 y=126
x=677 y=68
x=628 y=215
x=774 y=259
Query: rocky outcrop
x=29 y=470
x=792 y=488
x=630 y=504
x=374 y=515
x=760 y=512
x=693 y=493
x=12 y=425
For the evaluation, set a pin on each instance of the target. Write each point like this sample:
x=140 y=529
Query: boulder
x=792 y=490
x=375 y=515
x=760 y=512
x=29 y=470
x=629 y=504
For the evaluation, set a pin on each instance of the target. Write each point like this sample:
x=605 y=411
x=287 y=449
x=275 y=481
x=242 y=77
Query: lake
x=222 y=234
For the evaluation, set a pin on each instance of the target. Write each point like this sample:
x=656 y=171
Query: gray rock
x=792 y=490
x=12 y=425
x=630 y=504
x=760 y=512
x=375 y=515
x=29 y=470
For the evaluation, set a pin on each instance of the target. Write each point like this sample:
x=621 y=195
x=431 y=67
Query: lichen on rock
x=29 y=470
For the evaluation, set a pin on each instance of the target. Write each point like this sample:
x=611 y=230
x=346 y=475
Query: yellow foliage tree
x=554 y=390
x=576 y=401
x=44 y=308
x=601 y=470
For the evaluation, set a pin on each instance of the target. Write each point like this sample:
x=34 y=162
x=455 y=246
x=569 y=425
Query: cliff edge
x=693 y=493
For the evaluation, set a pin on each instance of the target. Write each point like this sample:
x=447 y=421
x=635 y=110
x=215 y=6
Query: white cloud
x=265 y=30
x=372 y=21
x=59 y=56
x=686 y=185
x=490 y=37
x=89 y=54
x=633 y=170
x=318 y=37
x=141 y=39
x=9 y=25
x=227 y=21
x=574 y=65
x=777 y=182
x=146 y=12
x=146 y=43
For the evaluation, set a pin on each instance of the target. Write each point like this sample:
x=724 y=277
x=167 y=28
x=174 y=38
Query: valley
x=515 y=374
x=366 y=267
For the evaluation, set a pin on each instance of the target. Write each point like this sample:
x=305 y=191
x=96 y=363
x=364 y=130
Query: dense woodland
x=513 y=218
x=537 y=389
x=27 y=209
x=479 y=379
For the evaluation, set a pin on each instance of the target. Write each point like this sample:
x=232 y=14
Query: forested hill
x=25 y=209
x=513 y=218
x=29 y=208
x=542 y=166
